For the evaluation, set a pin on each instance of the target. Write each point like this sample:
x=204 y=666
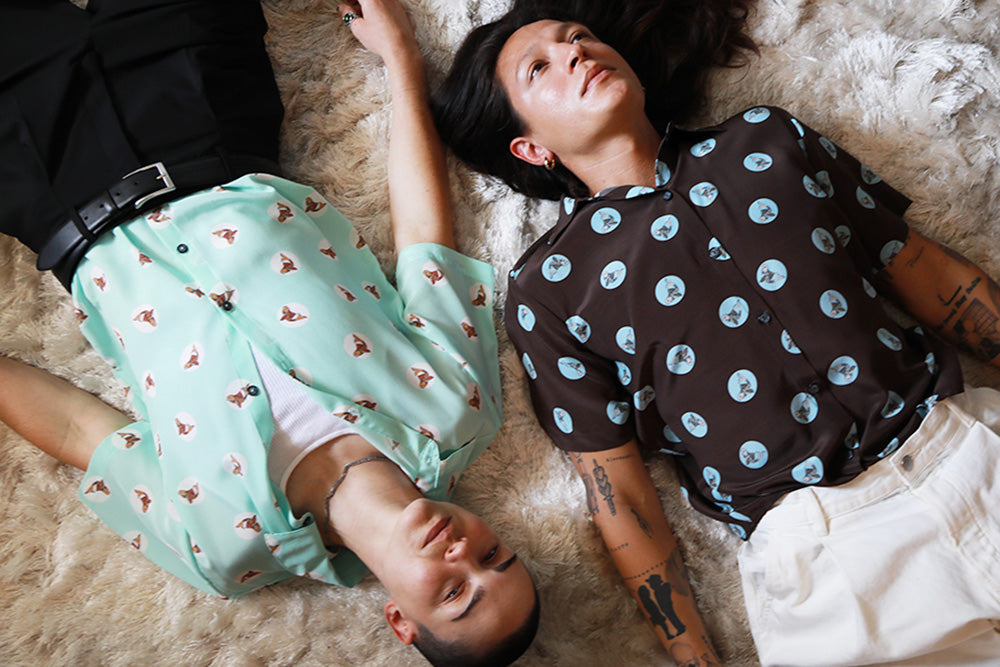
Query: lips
x=436 y=531
x=594 y=75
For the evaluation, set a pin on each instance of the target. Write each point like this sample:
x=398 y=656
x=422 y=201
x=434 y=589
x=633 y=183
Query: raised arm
x=418 y=179
x=626 y=509
x=949 y=294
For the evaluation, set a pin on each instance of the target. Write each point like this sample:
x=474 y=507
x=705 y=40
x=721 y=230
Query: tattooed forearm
x=621 y=546
x=642 y=524
x=604 y=486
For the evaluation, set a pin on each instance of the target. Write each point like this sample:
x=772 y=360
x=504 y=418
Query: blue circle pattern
x=733 y=312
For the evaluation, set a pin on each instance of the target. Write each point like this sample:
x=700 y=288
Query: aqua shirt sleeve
x=448 y=299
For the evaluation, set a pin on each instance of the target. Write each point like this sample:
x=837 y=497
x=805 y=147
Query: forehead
x=526 y=39
x=506 y=603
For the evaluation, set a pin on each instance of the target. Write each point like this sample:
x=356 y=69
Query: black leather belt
x=137 y=191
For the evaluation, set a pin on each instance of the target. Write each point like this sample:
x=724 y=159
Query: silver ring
x=349 y=18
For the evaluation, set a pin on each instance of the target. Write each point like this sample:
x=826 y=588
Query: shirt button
x=907 y=463
x=253 y=390
x=764 y=318
x=714 y=253
x=668 y=195
x=226 y=305
x=813 y=387
x=182 y=248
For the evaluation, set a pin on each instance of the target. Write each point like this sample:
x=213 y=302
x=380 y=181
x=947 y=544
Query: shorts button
x=668 y=195
x=813 y=387
x=764 y=318
x=907 y=463
x=714 y=253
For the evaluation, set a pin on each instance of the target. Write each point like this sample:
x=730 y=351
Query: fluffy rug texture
x=911 y=88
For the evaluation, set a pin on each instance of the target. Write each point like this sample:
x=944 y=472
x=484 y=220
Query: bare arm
x=626 y=508
x=57 y=417
x=948 y=293
x=419 y=201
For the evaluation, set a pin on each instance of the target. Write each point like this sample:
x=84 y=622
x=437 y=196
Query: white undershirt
x=300 y=424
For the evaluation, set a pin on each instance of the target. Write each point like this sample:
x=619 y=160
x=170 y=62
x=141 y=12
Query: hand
x=383 y=27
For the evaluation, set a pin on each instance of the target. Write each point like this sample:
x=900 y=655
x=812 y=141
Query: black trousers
x=87 y=96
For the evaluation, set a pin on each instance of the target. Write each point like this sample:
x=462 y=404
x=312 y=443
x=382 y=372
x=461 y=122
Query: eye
x=534 y=69
x=492 y=554
x=577 y=37
x=452 y=594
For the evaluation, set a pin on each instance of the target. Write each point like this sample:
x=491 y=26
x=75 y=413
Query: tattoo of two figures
x=656 y=597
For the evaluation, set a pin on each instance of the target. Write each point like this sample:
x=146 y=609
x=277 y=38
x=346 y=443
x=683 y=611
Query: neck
x=625 y=158
x=366 y=509
x=367 y=503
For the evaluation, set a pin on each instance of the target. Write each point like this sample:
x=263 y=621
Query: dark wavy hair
x=506 y=651
x=671 y=46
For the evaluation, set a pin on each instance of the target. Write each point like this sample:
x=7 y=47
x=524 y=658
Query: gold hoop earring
x=550 y=163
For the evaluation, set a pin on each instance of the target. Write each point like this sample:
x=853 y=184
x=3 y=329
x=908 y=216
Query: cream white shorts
x=899 y=566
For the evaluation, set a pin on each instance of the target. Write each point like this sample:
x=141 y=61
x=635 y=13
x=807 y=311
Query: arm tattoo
x=588 y=484
x=604 y=486
x=976 y=330
x=657 y=599
x=913 y=262
x=643 y=524
x=676 y=564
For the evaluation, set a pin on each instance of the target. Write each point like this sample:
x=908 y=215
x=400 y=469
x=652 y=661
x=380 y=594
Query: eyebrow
x=478 y=595
x=530 y=51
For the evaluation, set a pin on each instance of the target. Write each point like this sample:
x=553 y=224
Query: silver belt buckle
x=168 y=183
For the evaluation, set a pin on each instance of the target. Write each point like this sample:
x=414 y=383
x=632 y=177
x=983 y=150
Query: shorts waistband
x=906 y=468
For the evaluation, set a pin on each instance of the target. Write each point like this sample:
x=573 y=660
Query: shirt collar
x=667 y=160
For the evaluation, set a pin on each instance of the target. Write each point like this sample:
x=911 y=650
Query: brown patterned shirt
x=728 y=316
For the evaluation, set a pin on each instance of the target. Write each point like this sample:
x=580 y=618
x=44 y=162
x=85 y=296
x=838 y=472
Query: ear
x=532 y=153
x=401 y=626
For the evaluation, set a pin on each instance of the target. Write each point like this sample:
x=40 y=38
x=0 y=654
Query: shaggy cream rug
x=910 y=87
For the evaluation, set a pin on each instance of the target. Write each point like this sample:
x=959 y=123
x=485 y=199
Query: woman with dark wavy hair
x=671 y=46
x=711 y=294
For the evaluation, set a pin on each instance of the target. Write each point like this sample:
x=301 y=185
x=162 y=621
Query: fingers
x=349 y=12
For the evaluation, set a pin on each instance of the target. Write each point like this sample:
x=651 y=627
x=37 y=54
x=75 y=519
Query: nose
x=573 y=55
x=457 y=549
